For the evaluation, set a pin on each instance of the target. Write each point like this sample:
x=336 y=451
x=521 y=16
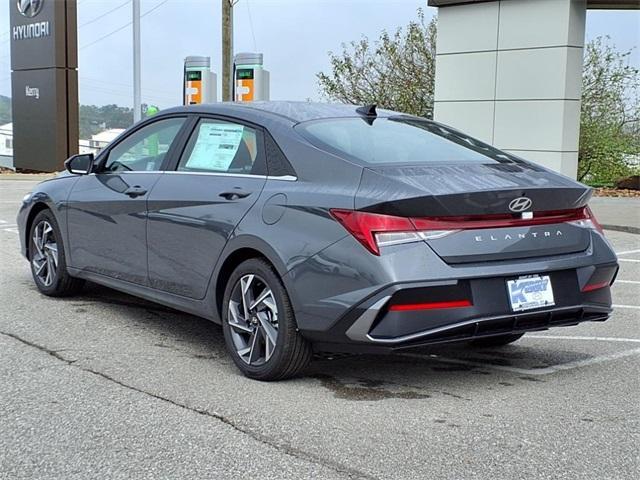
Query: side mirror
x=79 y=164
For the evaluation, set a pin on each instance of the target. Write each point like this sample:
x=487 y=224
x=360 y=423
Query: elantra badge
x=520 y=204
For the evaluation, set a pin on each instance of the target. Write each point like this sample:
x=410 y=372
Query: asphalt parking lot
x=107 y=386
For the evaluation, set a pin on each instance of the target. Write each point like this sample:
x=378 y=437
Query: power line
x=255 y=48
x=112 y=83
x=105 y=36
x=89 y=22
x=123 y=26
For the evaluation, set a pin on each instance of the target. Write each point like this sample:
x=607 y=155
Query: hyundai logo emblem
x=520 y=204
x=29 y=8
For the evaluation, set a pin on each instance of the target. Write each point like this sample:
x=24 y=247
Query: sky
x=294 y=35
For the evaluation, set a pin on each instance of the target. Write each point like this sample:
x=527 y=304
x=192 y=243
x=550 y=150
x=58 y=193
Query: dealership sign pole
x=44 y=83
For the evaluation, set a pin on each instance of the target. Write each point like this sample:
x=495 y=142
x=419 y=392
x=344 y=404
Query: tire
x=255 y=331
x=497 y=341
x=46 y=259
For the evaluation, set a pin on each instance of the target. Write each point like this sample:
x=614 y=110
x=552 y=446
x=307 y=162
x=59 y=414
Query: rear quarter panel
x=292 y=216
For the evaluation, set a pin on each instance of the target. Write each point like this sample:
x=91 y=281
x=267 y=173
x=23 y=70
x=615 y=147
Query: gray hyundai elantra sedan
x=305 y=227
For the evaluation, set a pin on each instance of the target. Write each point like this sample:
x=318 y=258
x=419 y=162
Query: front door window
x=145 y=149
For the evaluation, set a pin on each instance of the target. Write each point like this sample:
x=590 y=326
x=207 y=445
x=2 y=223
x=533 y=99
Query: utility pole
x=137 y=95
x=227 y=49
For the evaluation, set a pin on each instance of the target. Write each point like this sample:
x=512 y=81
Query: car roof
x=293 y=112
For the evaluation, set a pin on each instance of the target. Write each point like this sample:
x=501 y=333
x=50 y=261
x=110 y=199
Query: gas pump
x=199 y=85
x=251 y=80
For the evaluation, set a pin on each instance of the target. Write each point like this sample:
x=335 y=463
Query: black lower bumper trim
x=475 y=329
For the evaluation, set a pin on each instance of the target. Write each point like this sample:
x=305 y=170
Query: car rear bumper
x=373 y=326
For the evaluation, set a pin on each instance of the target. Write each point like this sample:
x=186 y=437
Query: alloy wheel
x=45 y=257
x=253 y=320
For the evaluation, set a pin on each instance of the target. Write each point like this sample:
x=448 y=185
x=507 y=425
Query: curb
x=622 y=228
x=26 y=176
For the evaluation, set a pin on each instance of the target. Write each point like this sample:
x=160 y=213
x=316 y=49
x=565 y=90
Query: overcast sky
x=294 y=35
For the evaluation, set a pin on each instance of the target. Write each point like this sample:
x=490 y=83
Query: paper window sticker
x=216 y=146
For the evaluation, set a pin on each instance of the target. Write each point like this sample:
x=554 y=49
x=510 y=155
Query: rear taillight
x=588 y=220
x=375 y=230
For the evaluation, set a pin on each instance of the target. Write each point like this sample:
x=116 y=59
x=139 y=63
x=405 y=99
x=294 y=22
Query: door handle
x=135 y=191
x=235 y=194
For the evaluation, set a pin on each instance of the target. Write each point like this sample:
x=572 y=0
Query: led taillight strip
x=370 y=228
x=501 y=220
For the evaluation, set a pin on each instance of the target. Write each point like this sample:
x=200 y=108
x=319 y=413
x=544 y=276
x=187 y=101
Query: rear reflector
x=602 y=277
x=594 y=286
x=430 y=306
x=374 y=230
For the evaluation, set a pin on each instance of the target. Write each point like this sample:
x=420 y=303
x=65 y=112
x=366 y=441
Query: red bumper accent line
x=430 y=306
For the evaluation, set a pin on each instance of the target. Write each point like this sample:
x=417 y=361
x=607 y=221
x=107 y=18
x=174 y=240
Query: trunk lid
x=480 y=190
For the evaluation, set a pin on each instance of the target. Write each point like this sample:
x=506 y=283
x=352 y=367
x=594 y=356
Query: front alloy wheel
x=253 y=319
x=45 y=258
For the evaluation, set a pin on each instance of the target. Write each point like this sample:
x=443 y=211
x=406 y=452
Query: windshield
x=399 y=140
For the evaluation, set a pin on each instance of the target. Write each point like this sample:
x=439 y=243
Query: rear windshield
x=398 y=140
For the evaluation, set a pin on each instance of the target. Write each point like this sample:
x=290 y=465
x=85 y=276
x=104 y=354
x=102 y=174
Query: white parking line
x=531 y=371
x=628 y=252
x=587 y=362
x=635 y=282
x=633 y=307
x=8 y=227
x=577 y=337
x=632 y=260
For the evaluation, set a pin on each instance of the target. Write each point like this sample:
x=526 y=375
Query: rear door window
x=219 y=146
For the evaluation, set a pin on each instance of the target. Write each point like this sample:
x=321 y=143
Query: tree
x=396 y=71
x=94 y=119
x=610 y=114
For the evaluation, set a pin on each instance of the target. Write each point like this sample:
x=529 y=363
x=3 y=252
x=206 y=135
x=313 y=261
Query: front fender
x=30 y=207
x=51 y=194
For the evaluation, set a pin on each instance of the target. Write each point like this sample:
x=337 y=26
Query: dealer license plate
x=526 y=293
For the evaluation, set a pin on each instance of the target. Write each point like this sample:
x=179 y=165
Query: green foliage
x=610 y=115
x=95 y=119
x=396 y=71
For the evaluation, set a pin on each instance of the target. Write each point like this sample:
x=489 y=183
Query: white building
x=102 y=139
x=6 y=139
x=99 y=140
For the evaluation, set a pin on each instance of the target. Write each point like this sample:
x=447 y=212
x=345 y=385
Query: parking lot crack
x=263 y=439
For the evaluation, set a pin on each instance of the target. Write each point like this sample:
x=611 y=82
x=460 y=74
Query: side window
x=145 y=149
x=221 y=147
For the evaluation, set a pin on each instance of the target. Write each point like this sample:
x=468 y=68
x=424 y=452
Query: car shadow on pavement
x=412 y=375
